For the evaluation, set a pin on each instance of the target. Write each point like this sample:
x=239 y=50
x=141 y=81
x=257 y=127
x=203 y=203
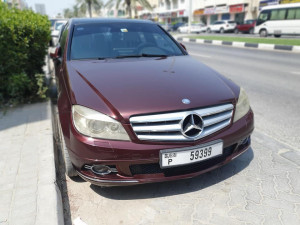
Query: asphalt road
x=262 y=186
x=272 y=81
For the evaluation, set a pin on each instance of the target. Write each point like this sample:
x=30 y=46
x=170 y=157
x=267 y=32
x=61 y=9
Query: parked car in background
x=166 y=26
x=278 y=20
x=177 y=25
x=222 y=26
x=134 y=107
x=198 y=28
x=195 y=28
x=55 y=30
x=246 y=27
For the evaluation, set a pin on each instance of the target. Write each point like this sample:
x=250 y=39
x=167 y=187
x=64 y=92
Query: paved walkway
x=28 y=192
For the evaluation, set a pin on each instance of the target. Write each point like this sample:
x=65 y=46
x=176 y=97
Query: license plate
x=183 y=156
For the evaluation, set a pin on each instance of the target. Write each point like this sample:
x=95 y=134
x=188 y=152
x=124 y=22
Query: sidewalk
x=28 y=190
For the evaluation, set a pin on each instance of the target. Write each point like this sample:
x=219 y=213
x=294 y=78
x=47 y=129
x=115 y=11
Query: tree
x=130 y=4
x=84 y=5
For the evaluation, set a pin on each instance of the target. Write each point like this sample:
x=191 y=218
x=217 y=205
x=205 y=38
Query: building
x=20 y=4
x=173 y=11
x=40 y=8
x=209 y=11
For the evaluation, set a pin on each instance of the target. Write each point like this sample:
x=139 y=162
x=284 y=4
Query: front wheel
x=251 y=31
x=69 y=169
x=263 y=33
x=222 y=30
x=208 y=30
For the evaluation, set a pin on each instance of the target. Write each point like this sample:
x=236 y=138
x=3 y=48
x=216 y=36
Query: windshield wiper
x=142 y=55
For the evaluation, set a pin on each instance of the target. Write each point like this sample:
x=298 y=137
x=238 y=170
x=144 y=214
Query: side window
x=297 y=17
x=278 y=14
x=162 y=43
x=63 y=38
x=263 y=17
x=291 y=14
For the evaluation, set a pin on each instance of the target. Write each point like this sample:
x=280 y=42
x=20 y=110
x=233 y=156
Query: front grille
x=154 y=168
x=167 y=126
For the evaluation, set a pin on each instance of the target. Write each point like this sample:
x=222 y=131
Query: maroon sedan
x=246 y=27
x=135 y=108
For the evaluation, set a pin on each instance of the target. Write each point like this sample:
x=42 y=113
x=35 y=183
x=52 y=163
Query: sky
x=52 y=6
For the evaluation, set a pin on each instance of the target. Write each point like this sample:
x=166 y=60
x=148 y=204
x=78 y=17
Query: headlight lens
x=242 y=106
x=97 y=125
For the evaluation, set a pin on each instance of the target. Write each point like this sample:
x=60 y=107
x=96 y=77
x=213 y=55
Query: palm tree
x=128 y=4
x=89 y=5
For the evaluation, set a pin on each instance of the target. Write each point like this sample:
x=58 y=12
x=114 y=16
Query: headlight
x=95 y=124
x=242 y=106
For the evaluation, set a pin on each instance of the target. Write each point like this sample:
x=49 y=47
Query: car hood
x=145 y=85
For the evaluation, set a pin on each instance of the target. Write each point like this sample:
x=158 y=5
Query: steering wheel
x=140 y=47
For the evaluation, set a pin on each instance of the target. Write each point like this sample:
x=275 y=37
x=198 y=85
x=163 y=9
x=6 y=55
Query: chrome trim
x=168 y=126
x=105 y=181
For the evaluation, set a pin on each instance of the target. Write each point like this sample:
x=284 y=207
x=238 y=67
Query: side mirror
x=183 y=46
x=56 y=53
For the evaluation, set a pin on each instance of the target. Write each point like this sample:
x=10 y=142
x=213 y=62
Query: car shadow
x=157 y=190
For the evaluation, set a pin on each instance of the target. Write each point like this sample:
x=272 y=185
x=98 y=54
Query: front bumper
x=138 y=163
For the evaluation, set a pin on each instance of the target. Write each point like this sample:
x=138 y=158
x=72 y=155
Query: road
x=260 y=187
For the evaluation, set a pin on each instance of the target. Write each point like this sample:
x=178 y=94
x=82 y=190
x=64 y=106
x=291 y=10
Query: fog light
x=101 y=170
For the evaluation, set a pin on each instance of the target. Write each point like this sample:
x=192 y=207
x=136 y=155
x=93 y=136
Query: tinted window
x=278 y=14
x=293 y=14
x=110 y=40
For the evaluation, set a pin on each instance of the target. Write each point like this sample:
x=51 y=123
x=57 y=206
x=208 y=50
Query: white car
x=198 y=28
x=222 y=26
x=55 y=30
x=195 y=28
x=184 y=28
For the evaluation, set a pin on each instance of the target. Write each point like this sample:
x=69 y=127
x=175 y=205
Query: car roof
x=76 y=21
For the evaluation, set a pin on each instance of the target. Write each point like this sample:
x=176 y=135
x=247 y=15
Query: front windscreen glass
x=113 y=40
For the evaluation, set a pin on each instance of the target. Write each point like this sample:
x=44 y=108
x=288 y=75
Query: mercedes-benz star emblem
x=192 y=125
x=186 y=101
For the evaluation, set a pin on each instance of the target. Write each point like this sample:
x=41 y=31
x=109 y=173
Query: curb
x=289 y=48
x=49 y=200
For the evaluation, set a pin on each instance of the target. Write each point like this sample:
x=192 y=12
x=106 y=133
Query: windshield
x=117 y=40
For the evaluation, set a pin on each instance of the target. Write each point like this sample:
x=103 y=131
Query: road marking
x=295 y=72
x=195 y=54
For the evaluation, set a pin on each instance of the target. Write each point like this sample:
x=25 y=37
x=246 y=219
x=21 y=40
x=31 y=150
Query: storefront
x=238 y=12
x=267 y=3
x=174 y=16
x=289 y=1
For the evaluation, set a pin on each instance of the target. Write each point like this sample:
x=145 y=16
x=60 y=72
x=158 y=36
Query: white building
x=209 y=11
x=172 y=11
x=40 y=8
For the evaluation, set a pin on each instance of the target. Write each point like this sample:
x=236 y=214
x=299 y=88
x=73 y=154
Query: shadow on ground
x=156 y=190
x=23 y=114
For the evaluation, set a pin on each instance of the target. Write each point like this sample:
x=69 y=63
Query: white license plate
x=183 y=156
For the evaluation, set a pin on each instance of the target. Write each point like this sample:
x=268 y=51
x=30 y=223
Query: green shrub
x=24 y=38
x=19 y=86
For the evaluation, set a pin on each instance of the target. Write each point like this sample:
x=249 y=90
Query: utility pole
x=190 y=15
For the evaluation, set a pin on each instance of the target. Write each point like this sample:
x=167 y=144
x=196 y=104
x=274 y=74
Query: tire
x=251 y=31
x=236 y=31
x=222 y=31
x=263 y=33
x=277 y=35
x=69 y=169
x=208 y=30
